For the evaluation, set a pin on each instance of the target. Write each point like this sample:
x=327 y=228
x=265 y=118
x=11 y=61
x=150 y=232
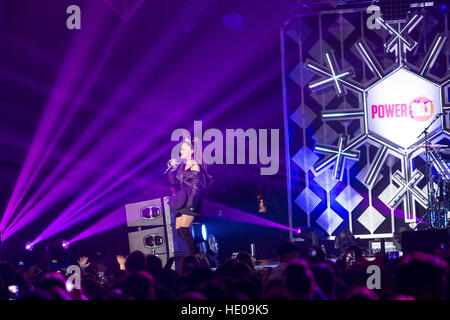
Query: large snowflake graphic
x=394 y=111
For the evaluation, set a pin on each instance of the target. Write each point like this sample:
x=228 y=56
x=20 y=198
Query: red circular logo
x=421 y=109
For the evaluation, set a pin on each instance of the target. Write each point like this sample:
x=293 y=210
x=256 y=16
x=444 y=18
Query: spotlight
x=199 y=232
x=299 y=230
x=65 y=244
x=213 y=244
x=206 y=243
x=212 y=250
x=204 y=233
x=29 y=246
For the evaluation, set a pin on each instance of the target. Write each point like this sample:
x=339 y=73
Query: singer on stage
x=191 y=180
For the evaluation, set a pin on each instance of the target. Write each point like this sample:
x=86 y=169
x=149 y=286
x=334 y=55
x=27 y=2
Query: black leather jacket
x=193 y=183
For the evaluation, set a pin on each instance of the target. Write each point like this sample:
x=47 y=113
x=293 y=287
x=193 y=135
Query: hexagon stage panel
x=401 y=105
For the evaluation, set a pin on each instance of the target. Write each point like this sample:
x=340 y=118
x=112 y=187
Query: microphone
x=171 y=165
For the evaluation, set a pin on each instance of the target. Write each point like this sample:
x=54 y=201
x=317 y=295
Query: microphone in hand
x=172 y=163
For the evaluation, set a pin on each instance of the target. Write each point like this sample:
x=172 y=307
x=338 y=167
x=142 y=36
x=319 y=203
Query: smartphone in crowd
x=394 y=255
x=350 y=258
x=13 y=292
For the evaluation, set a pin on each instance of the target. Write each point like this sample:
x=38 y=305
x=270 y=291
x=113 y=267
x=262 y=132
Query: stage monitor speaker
x=157 y=240
x=156 y=232
x=148 y=241
x=423 y=239
x=155 y=212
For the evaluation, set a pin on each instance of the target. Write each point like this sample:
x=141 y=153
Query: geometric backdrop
x=356 y=98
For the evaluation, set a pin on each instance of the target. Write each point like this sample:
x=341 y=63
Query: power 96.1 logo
x=421 y=109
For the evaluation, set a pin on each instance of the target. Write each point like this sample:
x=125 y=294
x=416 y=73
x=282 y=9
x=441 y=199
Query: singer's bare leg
x=184 y=221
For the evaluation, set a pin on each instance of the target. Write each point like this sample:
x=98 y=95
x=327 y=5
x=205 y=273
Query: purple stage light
x=30 y=210
x=29 y=246
x=241 y=216
x=153 y=52
x=54 y=112
x=83 y=200
x=62 y=125
x=85 y=207
x=65 y=244
x=54 y=191
x=113 y=220
x=298 y=231
x=100 y=188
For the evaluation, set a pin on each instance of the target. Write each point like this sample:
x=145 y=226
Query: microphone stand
x=428 y=170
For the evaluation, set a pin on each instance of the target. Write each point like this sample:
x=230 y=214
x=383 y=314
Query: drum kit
x=438 y=189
